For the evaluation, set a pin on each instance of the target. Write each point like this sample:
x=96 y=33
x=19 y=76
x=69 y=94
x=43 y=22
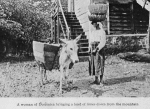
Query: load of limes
x=97 y=12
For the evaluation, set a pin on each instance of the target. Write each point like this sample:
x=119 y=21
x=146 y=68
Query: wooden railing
x=54 y=8
x=64 y=18
x=144 y=3
x=63 y=30
x=57 y=8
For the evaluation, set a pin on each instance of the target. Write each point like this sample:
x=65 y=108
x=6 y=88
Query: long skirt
x=96 y=63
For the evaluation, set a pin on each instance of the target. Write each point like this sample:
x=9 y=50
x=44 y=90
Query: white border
x=75 y=103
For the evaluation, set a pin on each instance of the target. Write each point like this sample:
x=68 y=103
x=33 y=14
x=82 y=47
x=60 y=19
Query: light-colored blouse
x=97 y=35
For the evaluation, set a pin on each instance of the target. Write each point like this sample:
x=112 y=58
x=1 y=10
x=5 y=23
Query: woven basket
x=98 y=8
x=97 y=18
x=46 y=54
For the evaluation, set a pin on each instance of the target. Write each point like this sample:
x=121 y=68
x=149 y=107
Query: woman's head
x=94 y=23
x=97 y=24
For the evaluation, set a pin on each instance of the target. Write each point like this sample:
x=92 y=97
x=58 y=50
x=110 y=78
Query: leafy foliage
x=124 y=44
x=25 y=20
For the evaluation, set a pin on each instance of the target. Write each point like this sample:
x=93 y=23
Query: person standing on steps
x=97 y=41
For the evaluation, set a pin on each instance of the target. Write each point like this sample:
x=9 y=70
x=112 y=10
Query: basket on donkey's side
x=46 y=55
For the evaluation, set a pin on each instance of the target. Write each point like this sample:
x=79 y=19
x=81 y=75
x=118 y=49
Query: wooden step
x=71 y=13
x=83 y=49
x=72 y=23
x=73 y=26
x=84 y=44
x=74 y=36
x=83 y=58
x=69 y=18
x=84 y=40
x=68 y=15
x=73 y=18
x=78 y=33
x=83 y=54
x=76 y=30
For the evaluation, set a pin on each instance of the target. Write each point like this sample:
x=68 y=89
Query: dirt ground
x=121 y=79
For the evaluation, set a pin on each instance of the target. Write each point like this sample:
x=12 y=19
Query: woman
x=97 y=40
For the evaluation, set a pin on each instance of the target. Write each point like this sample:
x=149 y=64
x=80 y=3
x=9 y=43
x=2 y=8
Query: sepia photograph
x=79 y=53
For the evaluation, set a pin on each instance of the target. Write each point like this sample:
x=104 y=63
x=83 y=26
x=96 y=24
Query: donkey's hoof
x=40 y=84
x=60 y=93
x=46 y=82
x=70 y=82
x=101 y=85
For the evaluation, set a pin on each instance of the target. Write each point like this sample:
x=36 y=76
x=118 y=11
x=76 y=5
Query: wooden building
x=123 y=16
x=146 y=4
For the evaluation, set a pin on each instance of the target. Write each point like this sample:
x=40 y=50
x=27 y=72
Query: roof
x=113 y=1
x=147 y=5
x=120 y=1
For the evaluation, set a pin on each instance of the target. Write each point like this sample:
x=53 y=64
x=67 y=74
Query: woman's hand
x=94 y=51
x=89 y=50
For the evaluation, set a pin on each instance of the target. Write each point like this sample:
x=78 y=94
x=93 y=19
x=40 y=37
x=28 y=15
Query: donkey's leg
x=102 y=61
x=61 y=76
x=45 y=76
x=69 y=82
x=39 y=67
x=41 y=71
x=66 y=77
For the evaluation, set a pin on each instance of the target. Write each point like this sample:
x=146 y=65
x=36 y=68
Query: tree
x=26 y=20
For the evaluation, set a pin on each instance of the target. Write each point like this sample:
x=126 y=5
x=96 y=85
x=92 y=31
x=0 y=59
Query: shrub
x=24 y=22
x=123 y=44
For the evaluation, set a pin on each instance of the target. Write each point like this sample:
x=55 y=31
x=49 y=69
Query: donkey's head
x=71 y=48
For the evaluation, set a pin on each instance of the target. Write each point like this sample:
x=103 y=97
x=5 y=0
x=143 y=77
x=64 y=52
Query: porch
x=124 y=19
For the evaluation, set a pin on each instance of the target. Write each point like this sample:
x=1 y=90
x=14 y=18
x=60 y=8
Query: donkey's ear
x=78 y=38
x=63 y=41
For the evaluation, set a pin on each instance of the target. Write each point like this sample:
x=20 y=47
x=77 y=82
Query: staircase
x=75 y=30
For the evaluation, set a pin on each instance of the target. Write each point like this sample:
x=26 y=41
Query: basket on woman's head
x=97 y=12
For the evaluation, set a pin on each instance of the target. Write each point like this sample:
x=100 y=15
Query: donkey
x=68 y=56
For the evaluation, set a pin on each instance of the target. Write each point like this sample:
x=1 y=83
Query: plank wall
x=81 y=11
x=120 y=18
x=127 y=18
x=141 y=18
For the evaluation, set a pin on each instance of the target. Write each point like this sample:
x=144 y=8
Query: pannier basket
x=47 y=55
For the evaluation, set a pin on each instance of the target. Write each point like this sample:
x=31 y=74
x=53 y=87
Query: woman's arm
x=90 y=36
x=102 y=41
x=89 y=49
